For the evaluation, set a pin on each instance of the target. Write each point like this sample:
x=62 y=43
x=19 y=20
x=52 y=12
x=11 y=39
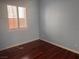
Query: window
x=22 y=17
x=16 y=17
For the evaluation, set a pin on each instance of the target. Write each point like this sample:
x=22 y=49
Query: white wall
x=59 y=22
x=17 y=37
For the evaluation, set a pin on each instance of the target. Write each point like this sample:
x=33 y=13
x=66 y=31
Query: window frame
x=18 y=19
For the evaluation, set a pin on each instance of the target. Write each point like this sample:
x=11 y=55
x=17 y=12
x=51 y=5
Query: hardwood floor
x=37 y=50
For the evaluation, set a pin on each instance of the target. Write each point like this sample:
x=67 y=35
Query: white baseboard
x=72 y=50
x=20 y=43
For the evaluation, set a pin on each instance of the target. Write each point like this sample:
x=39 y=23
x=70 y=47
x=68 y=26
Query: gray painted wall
x=59 y=22
x=13 y=38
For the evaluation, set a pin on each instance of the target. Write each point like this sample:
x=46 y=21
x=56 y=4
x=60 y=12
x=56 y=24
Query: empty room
x=39 y=29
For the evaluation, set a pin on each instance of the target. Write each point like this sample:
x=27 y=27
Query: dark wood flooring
x=37 y=50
